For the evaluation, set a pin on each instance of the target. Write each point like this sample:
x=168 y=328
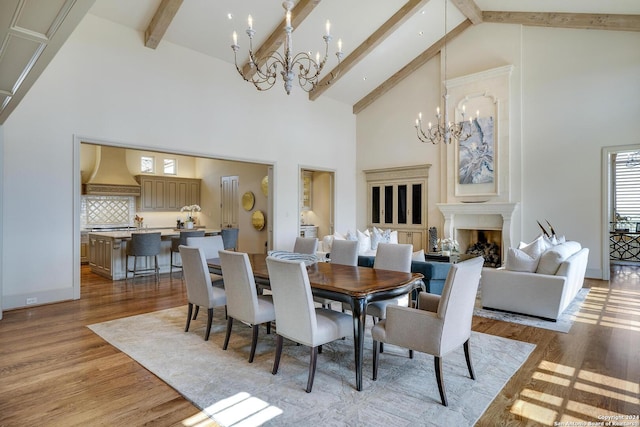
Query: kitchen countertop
x=164 y=232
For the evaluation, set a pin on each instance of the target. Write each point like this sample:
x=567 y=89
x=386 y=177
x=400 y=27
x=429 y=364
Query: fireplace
x=485 y=243
x=481 y=228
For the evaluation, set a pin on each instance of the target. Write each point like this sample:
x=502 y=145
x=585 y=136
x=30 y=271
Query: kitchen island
x=108 y=256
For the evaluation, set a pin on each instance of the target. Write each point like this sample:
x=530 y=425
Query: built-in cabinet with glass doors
x=397 y=200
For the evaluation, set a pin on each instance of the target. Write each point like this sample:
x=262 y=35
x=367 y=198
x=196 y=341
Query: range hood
x=111 y=177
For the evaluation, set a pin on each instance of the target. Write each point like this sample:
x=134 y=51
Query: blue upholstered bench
x=434 y=272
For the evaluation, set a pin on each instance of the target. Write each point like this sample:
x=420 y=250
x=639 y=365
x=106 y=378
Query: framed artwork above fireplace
x=476 y=163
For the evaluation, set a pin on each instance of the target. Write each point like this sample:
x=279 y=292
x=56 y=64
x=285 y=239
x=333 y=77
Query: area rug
x=235 y=393
x=563 y=324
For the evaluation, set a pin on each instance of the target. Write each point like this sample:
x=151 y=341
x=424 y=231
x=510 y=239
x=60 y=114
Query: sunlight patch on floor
x=544 y=408
x=239 y=410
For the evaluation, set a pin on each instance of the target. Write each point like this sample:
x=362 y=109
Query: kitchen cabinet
x=100 y=255
x=84 y=248
x=397 y=200
x=167 y=194
x=308 y=231
x=306 y=198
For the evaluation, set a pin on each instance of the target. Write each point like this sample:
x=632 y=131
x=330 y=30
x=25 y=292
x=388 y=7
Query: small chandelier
x=264 y=71
x=443 y=130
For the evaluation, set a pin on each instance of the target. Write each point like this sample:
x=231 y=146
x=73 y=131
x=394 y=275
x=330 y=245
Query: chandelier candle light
x=264 y=71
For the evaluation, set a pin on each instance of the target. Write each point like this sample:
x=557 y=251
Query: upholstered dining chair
x=243 y=302
x=344 y=252
x=297 y=318
x=182 y=240
x=143 y=245
x=200 y=293
x=230 y=238
x=395 y=257
x=441 y=324
x=211 y=245
x=305 y=245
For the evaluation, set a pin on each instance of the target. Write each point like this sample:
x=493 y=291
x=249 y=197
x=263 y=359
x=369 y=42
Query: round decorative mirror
x=248 y=200
x=265 y=186
x=257 y=219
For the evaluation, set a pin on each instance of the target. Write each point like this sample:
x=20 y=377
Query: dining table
x=354 y=285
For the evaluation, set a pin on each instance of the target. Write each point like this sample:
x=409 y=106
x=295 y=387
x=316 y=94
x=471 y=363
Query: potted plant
x=191 y=219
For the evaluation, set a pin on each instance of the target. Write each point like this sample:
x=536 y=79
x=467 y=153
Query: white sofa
x=535 y=294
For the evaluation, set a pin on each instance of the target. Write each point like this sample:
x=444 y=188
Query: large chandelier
x=263 y=72
x=444 y=130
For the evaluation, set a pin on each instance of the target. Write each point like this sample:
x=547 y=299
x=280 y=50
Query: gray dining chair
x=243 y=302
x=211 y=245
x=200 y=293
x=343 y=252
x=181 y=240
x=143 y=245
x=230 y=238
x=395 y=257
x=305 y=245
x=441 y=324
x=297 y=318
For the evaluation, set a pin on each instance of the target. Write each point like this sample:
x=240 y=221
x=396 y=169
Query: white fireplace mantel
x=479 y=216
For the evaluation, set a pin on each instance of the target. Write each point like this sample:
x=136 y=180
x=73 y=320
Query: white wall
x=105 y=84
x=1 y=214
x=573 y=92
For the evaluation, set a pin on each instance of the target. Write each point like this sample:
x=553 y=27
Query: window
x=627 y=185
x=146 y=164
x=170 y=166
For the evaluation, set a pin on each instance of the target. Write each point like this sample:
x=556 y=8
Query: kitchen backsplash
x=120 y=211
x=107 y=211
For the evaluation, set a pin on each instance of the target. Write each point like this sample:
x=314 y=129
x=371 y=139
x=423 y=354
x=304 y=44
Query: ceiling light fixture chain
x=264 y=71
x=445 y=131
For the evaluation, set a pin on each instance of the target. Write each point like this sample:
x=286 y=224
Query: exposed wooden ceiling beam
x=368 y=45
x=470 y=9
x=298 y=14
x=412 y=66
x=160 y=22
x=590 y=21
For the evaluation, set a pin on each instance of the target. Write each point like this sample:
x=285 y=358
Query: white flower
x=190 y=208
x=451 y=243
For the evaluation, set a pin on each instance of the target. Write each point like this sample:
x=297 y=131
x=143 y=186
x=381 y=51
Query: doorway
x=317 y=202
x=621 y=219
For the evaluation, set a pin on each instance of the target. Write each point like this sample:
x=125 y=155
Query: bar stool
x=182 y=240
x=143 y=245
x=230 y=238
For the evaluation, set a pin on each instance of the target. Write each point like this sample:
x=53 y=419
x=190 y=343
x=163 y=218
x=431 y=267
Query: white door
x=229 y=201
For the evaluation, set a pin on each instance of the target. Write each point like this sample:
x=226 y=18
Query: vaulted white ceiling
x=31 y=31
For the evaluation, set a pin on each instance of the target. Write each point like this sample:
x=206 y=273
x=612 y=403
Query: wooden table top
x=344 y=279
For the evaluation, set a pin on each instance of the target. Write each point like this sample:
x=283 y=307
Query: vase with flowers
x=139 y=222
x=448 y=245
x=191 y=218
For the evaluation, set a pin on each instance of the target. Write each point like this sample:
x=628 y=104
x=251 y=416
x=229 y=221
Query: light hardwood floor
x=56 y=372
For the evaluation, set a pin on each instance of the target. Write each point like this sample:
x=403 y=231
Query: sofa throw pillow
x=535 y=248
x=393 y=237
x=418 y=255
x=518 y=260
x=364 y=242
x=551 y=259
x=379 y=236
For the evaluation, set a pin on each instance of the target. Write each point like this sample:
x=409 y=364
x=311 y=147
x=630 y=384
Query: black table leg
x=359 y=311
